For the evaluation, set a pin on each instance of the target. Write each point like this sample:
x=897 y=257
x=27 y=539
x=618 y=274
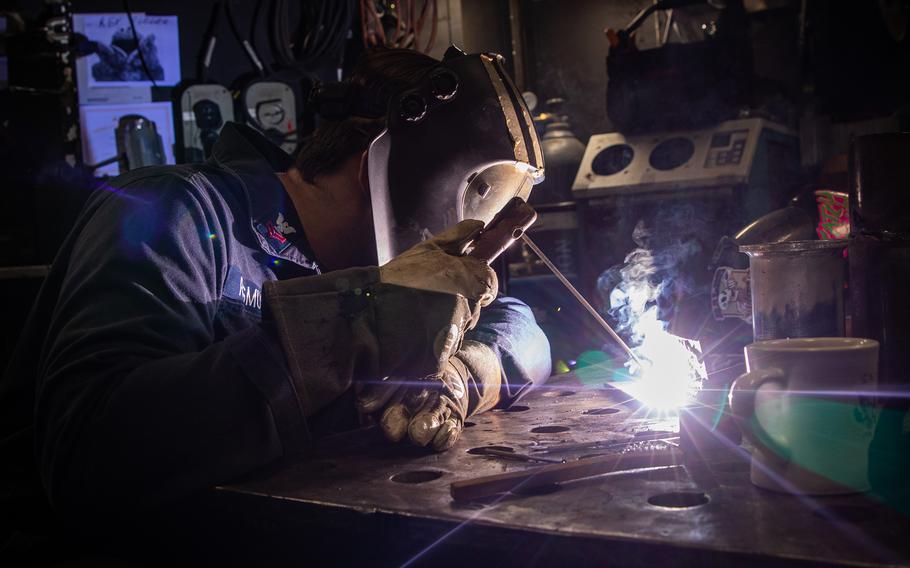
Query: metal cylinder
x=879 y=175
x=880 y=249
x=879 y=302
x=797 y=289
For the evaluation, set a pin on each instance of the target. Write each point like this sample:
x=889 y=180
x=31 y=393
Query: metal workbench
x=363 y=500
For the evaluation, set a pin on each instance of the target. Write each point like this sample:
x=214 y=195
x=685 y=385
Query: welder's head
x=353 y=112
x=447 y=141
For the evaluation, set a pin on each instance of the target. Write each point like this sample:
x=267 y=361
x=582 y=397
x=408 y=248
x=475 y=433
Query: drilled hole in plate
x=678 y=499
x=554 y=394
x=470 y=424
x=420 y=476
x=481 y=450
x=601 y=411
x=732 y=467
x=550 y=429
x=517 y=408
x=536 y=490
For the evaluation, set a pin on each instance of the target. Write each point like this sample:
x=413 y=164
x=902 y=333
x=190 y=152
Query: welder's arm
x=137 y=402
x=404 y=319
x=508 y=327
x=496 y=363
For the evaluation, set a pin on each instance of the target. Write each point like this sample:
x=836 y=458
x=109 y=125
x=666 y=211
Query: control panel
x=718 y=157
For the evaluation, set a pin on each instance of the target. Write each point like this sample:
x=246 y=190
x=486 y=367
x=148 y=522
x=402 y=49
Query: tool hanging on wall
x=138 y=143
x=397 y=24
x=206 y=106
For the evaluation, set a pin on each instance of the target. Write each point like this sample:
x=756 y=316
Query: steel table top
x=701 y=510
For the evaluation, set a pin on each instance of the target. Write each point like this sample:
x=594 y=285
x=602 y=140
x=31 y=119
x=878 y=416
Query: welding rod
x=581 y=299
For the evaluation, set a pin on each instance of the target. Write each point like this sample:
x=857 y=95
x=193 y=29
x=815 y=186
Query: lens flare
x=671 y=372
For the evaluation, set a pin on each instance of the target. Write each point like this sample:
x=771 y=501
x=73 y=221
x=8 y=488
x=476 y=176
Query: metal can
x=797 y=289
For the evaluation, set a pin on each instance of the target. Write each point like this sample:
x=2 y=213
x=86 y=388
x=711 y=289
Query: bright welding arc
x=581 y=299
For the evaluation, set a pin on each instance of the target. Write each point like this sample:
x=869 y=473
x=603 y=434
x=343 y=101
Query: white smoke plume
x=642 y=289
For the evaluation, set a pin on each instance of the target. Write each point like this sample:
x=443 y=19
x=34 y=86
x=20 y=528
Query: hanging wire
x=396 y=23
x=145 y=67
x=322 y=28
x=208 y=44
x=244 y=42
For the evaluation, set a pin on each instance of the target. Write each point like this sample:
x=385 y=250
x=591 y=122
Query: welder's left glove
x=431 y=411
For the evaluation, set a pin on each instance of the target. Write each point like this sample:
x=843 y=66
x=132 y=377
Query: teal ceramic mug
x=807 y=406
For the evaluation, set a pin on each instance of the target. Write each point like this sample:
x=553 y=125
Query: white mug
x=807 y=405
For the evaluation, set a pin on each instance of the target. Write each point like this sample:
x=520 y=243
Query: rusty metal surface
x=707 y=505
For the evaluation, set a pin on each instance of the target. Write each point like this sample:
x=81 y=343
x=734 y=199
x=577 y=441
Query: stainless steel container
x=797 y=289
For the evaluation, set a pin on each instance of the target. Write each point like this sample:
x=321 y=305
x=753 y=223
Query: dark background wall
x=567 y=53
x=844 y=61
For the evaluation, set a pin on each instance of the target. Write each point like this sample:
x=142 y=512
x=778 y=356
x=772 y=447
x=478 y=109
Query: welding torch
x=511 y=224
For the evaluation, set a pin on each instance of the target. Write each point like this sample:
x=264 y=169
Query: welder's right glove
x=405 y=319
x=431 y=411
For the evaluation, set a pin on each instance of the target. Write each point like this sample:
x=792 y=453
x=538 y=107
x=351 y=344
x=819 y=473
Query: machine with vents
x=677 y=194
x=749 y=157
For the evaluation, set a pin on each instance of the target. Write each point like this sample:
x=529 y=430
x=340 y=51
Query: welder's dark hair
x=379 y=75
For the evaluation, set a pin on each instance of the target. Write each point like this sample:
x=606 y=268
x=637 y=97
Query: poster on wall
x=121 y=58
x=99 y=131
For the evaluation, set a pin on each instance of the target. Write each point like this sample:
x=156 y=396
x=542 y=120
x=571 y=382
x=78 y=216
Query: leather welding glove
x=365 y=324
x=437 y=265
x=431 y=411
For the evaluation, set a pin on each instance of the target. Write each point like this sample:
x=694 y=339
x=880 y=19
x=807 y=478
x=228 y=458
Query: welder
x=204 y=320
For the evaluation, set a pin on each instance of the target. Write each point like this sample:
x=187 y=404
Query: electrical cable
x=401 y=20
x=247 y=46
x=321 y=30
x=145 y=67
x=208 y=44
x=399 y=25
x=254 y=23
x=339 y=26
x=431 y=41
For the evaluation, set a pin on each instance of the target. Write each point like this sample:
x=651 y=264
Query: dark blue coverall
x=147 y=372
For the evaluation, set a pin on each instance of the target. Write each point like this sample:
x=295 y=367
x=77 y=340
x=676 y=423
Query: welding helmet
x=459 y=146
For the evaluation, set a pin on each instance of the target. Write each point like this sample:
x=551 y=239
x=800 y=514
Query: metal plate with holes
x=705 y=512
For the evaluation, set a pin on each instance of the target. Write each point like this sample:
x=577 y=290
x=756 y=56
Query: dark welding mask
x=459 y=146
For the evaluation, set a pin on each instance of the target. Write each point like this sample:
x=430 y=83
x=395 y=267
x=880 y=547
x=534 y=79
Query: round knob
x=413 y=107
x=444 y=84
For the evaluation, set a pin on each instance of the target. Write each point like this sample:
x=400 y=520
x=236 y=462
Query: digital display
x=720 y=140
x=726 y=148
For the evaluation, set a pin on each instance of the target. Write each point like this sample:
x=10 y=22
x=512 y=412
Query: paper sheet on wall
x=115 y=73
x=99 y=125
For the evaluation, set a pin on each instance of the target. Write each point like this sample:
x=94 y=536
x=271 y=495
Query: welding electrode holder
x=510 y=225
x=503 y=230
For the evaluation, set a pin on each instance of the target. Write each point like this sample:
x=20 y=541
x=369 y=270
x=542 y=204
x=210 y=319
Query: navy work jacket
x=146 y=371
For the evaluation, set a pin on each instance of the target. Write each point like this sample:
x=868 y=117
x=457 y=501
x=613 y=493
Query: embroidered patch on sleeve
x=242 y=290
